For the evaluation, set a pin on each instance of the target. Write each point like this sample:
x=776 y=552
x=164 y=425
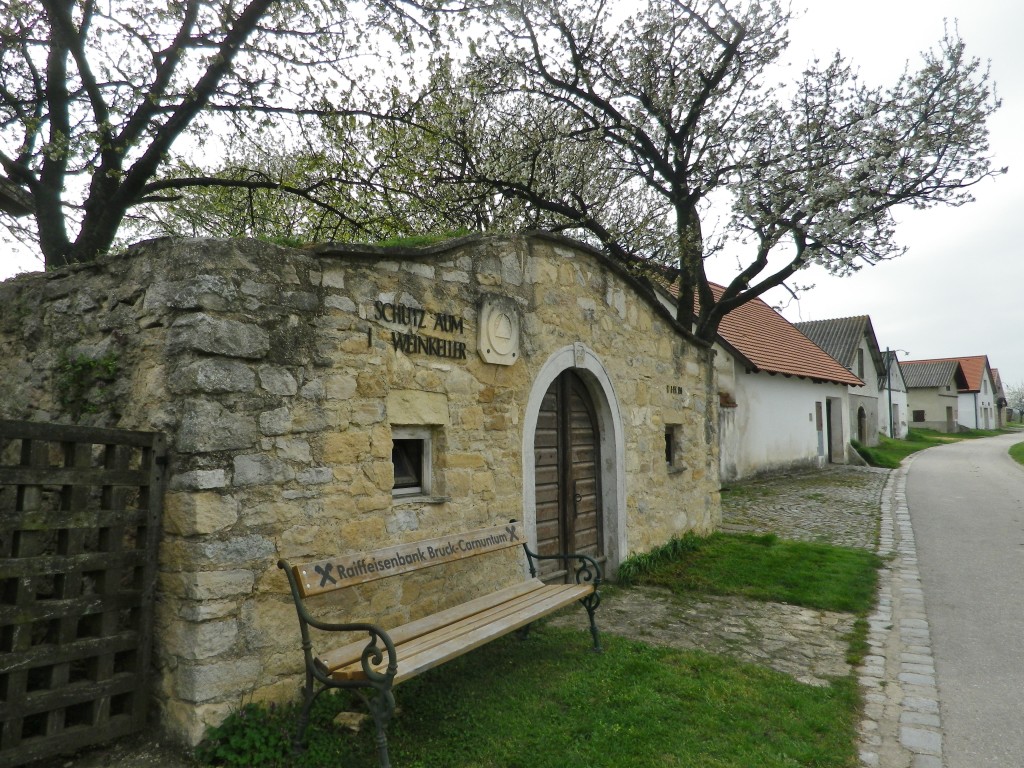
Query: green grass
x=547 y=702
x=763 y=568
x=889 y=452
x=1017 y=453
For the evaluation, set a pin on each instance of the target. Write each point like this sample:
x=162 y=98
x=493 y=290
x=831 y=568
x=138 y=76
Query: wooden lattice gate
x=80 y=513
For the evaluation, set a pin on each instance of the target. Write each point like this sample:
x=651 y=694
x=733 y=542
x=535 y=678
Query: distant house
x=852 y=341
x=976 y=394
x=785 y=402
x=893 y=413
x=1001 y=401
x=933 y=392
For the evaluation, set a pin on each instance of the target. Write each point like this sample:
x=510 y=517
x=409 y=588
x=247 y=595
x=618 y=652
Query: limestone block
x=276 y=512
x=277 y=380
x=267 y=621
x=374 y=503
x=208 y=610
x=315 y=476
x=192 y=514
x=334 y=277
x=309 y=417
x=428 y=381
x=206 y=426
x=371 y=385
x=218 y=336
x=465 y=461
x=293 y=449
x=401 y=521
x=425 y=271
x=198 y=480
x=455 y=276
x=285 y=690
x=198 y=682
x=210 y=292
x=187 y=640
x=381 y=474
x=348 y=447
x=339 y=386
x=237 y=551
x=260 y=469
x=513 y=270
x=483 y=482
x=471 y=418
x=276 y=422
x=367 y=413
x=302 y=301
x=216 y=585
x=189 y=722
x=214 y=375
x=343 y=303
x=380 y=442
x=414 y=407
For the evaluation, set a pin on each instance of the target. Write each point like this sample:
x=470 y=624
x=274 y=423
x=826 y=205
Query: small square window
x=673 y=448
x=410 y=455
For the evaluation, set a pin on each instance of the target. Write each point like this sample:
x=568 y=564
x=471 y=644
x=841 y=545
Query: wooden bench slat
x=429 y=659
x=339 y=657
x=447 y=642
x=525 y=605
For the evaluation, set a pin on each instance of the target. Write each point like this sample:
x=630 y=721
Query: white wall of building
x=977 y=410
x=774 y=424
x=894 y=399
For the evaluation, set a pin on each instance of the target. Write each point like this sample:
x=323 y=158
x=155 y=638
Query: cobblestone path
x=838 y=505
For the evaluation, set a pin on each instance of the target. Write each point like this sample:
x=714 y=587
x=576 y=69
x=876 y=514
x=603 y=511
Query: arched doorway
x=862 y=425
x=589 y=370
x=567 y=460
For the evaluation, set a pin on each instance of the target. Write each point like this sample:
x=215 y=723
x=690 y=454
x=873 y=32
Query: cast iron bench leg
x=382 y=707
x=590 y=603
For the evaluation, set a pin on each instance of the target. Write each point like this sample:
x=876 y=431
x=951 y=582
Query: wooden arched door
x=568 y=484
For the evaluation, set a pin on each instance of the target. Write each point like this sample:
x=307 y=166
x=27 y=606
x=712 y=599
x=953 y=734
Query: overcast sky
x=960 y=288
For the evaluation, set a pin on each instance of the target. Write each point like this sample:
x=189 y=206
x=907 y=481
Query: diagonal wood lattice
x=80 y=510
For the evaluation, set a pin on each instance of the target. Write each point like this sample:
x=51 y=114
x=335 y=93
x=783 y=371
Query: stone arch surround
x=588 y=366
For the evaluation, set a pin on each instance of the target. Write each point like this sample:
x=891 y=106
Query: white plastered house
x=852 y=341
x=784 y=401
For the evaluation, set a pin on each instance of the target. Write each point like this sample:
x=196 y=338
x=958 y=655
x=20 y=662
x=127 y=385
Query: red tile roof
x=765 y=341
x=973 y=368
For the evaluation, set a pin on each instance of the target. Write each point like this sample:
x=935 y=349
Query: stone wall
x=278 y=376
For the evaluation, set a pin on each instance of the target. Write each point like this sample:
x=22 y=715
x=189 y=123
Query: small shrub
x=255 y=735
x=638 y=565
x=262 y=736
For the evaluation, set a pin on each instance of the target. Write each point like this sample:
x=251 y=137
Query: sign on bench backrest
x=346 y=570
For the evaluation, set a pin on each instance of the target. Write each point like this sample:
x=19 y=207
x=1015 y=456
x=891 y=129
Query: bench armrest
x=587 y=571
x=378 y=644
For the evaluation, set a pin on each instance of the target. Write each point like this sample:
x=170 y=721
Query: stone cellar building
x=340 y=399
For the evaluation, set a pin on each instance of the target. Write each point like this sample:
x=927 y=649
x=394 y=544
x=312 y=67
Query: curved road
x=966 y=503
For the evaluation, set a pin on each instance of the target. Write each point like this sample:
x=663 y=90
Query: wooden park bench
x=373 y=667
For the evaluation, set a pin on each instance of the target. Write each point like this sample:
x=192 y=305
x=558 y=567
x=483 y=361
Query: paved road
x=966 y=503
